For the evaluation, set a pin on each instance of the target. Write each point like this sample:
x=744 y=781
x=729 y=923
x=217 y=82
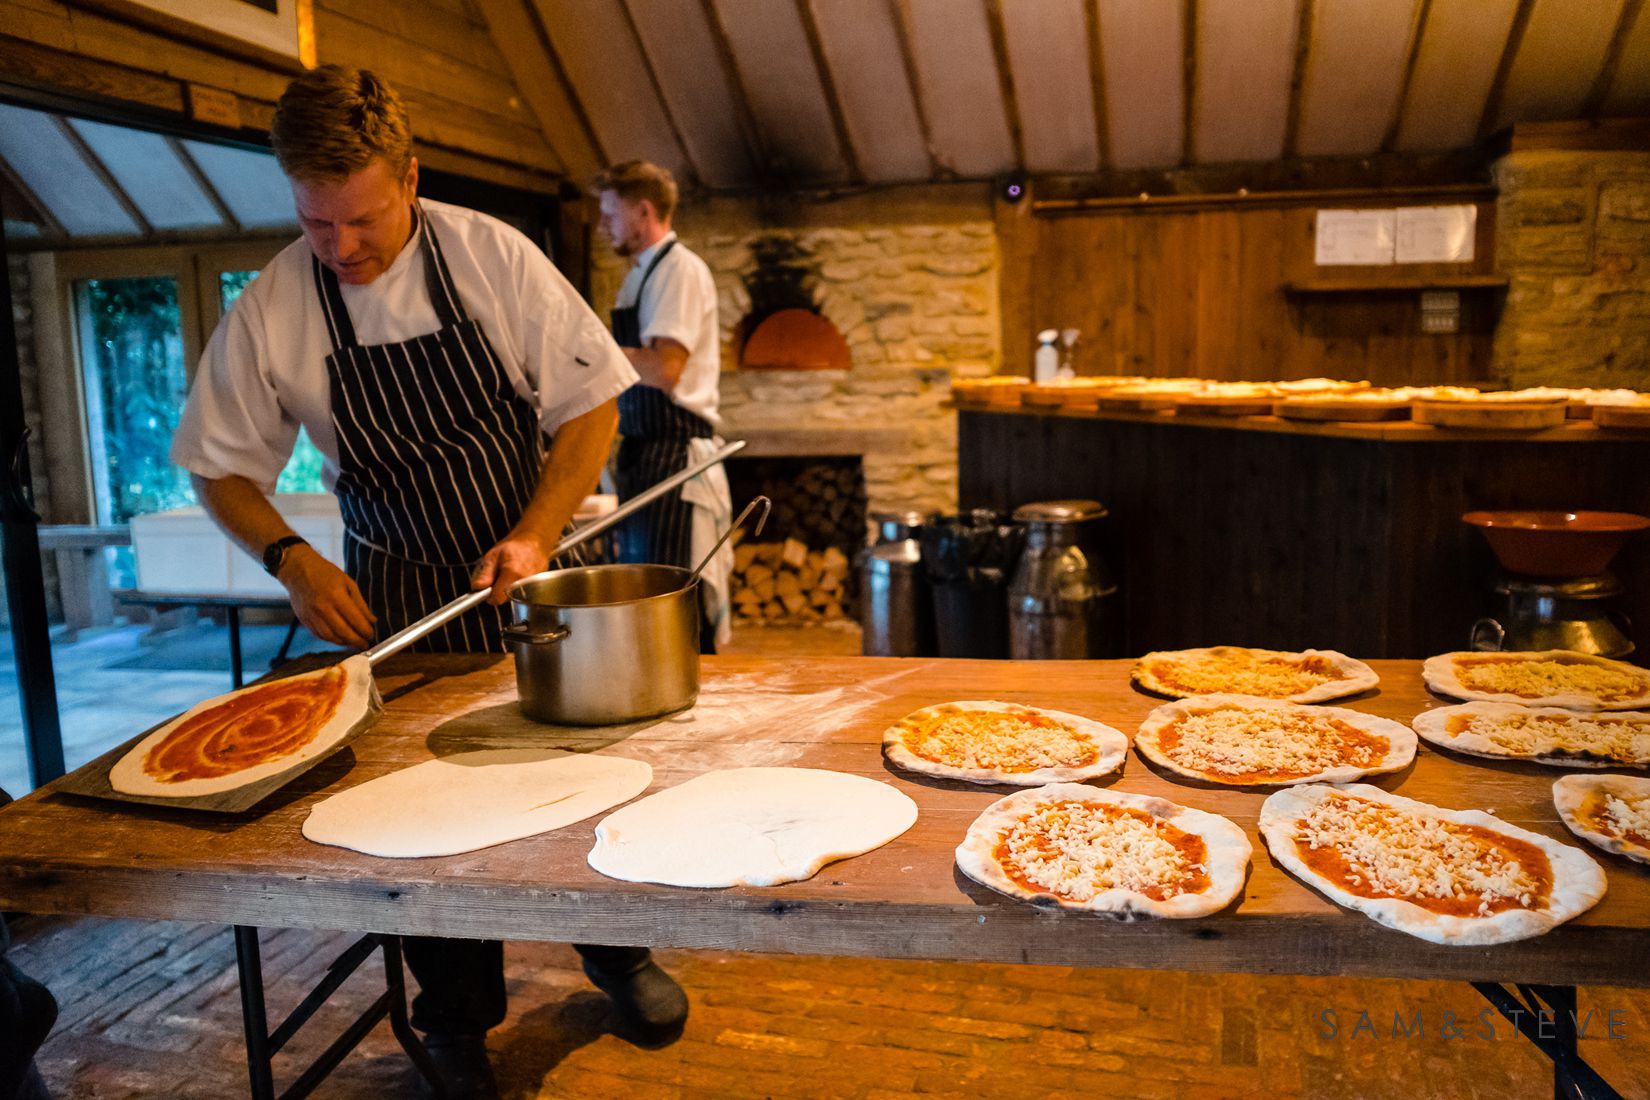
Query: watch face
x=273 y=553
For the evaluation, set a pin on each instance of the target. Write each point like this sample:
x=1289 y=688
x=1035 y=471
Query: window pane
x=230 y=285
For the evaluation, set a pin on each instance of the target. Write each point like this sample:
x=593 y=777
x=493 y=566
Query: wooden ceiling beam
x=1593 y=105
x=101 y=171
x=1188 y=82
x=833 y=100
x=1097 y=84
x=901 y=12
x=1304 y=16
x=698 y=177
x=519 y=35
x=1412 y=57
x=1005 y=80
x=574 y=103
x=54 y=227
x=1503 y=69
x=213 y=196
x=743 y=113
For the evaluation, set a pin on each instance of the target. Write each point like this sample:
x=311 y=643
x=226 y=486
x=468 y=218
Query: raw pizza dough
x=989 y=742
x=749 y=827
x=234 y=740
x=474 y=800
x=1610 y=811
x=1125 y=856
x=1241 y=741
x=1408 y=864
x=1309 y=676
x=1541 y=735
x=1541 y=678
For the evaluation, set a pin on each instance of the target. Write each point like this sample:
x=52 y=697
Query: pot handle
x=1487 y=636
x=521 y=632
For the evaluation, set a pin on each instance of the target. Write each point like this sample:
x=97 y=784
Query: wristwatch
x=275 y=552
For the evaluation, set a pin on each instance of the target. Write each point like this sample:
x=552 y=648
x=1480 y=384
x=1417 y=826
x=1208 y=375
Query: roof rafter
x=1503 y=68
x=761 y=160
x=1305 y=15
x=833 y=101
x=192 y=166
x=901 y=12
x=659 y=92
x=1593 y=105
x=101 y=171
x=1188 y=82
x=1412 y=58
x=1005 y=80
x=1097 y=85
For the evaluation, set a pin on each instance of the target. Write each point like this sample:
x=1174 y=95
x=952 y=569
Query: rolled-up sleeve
x=234 y=423
x=571 y=360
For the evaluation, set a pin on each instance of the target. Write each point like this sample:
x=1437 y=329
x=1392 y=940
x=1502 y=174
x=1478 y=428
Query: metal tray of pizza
x=1453 y=877
x=1540 y=678
x=1540 y=735
x=983 y=741
x=1608 y=811
x=230 y=752
x=1307 y=676
x=1111 y=853
x=1241 y=741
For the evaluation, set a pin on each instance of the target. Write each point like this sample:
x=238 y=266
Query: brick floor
x=152 y=1010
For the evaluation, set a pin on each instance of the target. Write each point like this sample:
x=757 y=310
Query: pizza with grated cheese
x=1541 y=678
x=1610 y=811
x=1541 y=735
x=990 y=742
x=1241 y=741
x=1126 y=856
x=1455 y=877
x=1310 y=676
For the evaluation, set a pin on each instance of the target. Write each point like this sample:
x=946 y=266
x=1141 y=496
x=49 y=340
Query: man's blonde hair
x=641 y=179
x=331 y=122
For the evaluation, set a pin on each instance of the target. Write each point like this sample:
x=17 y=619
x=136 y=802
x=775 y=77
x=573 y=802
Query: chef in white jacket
x=665 y=319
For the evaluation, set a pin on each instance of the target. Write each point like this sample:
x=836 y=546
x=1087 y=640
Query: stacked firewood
x=785 y=582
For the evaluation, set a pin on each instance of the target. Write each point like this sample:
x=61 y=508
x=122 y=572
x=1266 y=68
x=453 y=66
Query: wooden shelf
x=1413 y=283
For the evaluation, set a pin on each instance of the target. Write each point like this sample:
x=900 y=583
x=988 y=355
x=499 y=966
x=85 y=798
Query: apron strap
x=339 y=326
x=646 y=275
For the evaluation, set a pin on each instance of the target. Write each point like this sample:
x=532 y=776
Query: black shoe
x=461 y=1062
x=652 y=1008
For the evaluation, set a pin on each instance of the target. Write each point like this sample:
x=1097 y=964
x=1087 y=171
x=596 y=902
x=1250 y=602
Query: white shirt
x=679 y=304
x=264 y=372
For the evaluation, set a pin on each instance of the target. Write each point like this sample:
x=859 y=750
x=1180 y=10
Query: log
x=743 y=555
x=794 y=603
x=786 y=585
x=764 y=590
x=794 y=552
x=758 y=573
x=836 y=563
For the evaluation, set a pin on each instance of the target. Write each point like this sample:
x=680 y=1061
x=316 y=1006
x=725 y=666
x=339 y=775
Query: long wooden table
x=63 y=853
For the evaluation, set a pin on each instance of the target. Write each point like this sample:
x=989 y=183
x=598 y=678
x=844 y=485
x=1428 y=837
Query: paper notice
x=1354 y=237
x=1436 y=234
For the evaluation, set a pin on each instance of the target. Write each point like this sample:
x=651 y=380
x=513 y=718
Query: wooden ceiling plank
x=901 y=10
x=833 y=100
x=1412 y=57
x=659 y=93
x=575 y=104
x=1594 y=105
x=192 y=166
x=519 y=36
x=761 y=160
x=1188 y=79
x=1005 y=80
x=1305 y=16
x=1097 y=85
x=1503 y=68
x=101 y=171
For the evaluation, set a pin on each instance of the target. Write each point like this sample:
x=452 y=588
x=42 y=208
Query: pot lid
x=1060 y=511
x=1599 y=587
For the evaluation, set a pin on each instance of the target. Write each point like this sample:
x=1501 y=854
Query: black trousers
x=461 y=982
x=27 y=1013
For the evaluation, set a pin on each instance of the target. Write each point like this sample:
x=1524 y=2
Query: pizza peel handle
x=400 y=640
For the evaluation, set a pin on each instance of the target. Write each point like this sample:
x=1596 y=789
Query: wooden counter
x=1277 y=533
x=905 y=900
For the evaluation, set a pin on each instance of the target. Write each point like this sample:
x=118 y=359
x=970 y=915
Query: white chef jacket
x=264 y=372
x=680 y=304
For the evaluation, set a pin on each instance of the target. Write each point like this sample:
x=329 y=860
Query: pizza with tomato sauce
x=1448 y=876
x=1309 y=676
x=1609 y=811
x=251 y=734
x=1541 y=735
x=1540 y=678
x=1240 y=741
x=989 y=742
x=1126 y=856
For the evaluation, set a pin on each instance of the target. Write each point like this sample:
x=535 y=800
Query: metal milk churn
x=896 y=611
x=1062 y=603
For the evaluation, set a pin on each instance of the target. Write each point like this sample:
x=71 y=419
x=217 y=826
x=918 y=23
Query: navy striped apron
x=438 y=456
x=655 y=433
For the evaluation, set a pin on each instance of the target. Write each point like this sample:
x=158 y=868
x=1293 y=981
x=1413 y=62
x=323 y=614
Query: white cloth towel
x=712 y=515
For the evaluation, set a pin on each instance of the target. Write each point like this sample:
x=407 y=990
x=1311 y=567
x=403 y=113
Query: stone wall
x=1573 y=237
x=22 y=314
x=910 y=279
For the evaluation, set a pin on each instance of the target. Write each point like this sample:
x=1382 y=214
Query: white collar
x=646 y=255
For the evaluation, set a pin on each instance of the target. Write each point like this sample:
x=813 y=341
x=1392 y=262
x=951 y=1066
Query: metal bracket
x=262 y=1044
x=1573 y=1078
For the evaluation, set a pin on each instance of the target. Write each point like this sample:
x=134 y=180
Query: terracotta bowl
x=1556 y=544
